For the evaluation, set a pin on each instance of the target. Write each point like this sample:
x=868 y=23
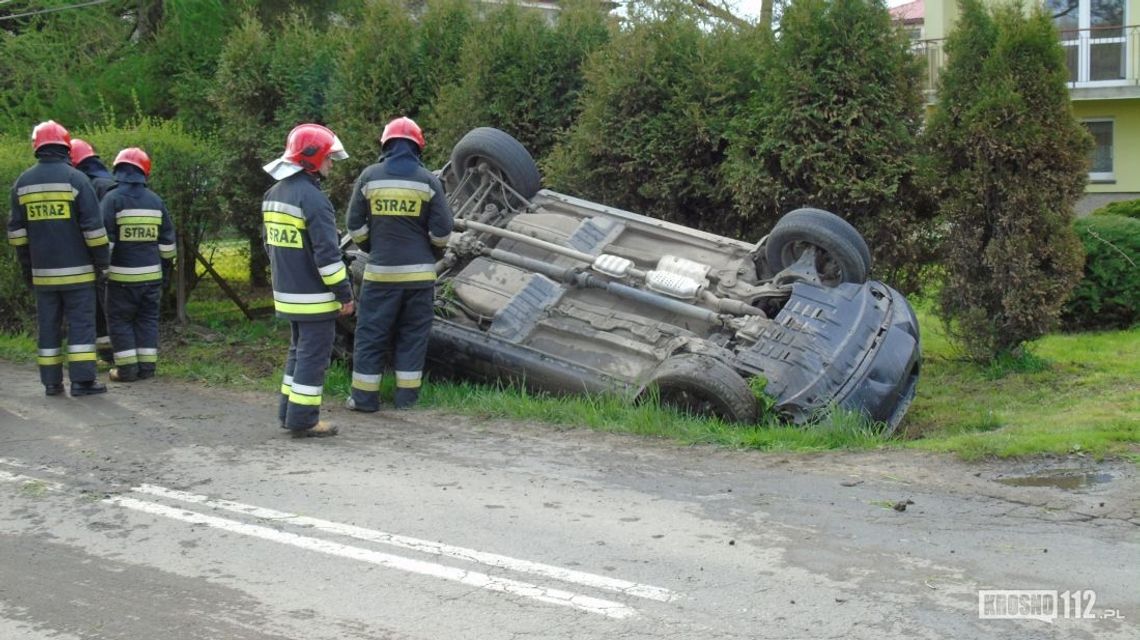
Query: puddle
x=1060 y=479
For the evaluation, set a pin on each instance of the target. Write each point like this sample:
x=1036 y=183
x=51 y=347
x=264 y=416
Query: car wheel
x=499 y=153
x=343 y=340
x=701 y=385
x=841 y=253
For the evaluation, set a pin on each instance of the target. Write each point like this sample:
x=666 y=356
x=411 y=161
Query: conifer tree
x=836 y=127
x=656 y=109
x=1012 y=162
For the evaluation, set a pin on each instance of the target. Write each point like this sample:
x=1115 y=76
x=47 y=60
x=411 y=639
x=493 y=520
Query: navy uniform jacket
x=140 y=229
x=397 y=212
x=310 y=281
x=101 y=179
x=55 y=224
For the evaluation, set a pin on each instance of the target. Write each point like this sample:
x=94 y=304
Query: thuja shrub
x=1013 y=162
x=1108 y=297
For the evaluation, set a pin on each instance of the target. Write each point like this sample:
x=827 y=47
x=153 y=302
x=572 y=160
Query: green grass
x=1075 y=393
x=230 y=258
x=18 y=348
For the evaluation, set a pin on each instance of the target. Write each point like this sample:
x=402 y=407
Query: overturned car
x=571 y=296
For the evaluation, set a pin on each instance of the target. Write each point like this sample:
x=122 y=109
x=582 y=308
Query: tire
x=844 y=258
x=701 y=385
x=503 y=153
x=343 y=340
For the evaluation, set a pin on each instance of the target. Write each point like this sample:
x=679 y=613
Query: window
x=1100 y=170
x=1092 y=33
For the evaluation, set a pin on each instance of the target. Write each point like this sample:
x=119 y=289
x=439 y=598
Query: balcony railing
x=1101 y=57
x=931 y=52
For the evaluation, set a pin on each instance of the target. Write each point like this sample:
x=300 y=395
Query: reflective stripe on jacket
x=397 y=213
x=55 y=225
x=310 y=280
x=140 y=228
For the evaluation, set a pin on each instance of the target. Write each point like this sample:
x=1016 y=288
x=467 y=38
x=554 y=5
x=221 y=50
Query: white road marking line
x=14 y=412
x=423 y=546
x=471 y=578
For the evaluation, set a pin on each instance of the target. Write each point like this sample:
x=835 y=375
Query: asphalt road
x=166 y=510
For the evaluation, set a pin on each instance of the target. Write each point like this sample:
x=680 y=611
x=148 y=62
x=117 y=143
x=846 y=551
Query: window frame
x=1104 y=177
x=1083 y=40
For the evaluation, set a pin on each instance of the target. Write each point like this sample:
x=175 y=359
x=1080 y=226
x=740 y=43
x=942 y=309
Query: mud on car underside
x=572 y=296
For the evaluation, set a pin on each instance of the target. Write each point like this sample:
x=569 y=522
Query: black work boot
x=53 y=389
x=407 y=398
x=88 y=388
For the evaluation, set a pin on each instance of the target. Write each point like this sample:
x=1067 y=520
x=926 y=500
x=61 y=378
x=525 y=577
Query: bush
x=1126 y=208
x=1013 y=162
x=519 y=74
x=183 y=58
x=656 y=109
x=249 y=135
x=48 y=64
x=1109 y=295
x=17 y=309
x=374 y=81
x=837 y=127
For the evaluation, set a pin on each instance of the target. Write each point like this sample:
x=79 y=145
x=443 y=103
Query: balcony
x=1104 y=62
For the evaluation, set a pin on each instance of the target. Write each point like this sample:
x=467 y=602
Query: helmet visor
x=281 y=168
x=337 y=151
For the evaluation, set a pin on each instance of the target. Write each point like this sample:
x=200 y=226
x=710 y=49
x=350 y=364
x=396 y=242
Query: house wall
x=1125 y=116
x=1121 y=104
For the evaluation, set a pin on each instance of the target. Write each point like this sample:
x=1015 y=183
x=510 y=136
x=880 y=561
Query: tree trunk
x=183 y=262
x=258 y=261
x=766 y=13
x=149 y=18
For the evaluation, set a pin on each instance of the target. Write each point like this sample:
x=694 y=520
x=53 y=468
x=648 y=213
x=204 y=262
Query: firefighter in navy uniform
x=84 y=158
x=143 y=248
x=310 y=281
x=397 y=213
x=62 y=246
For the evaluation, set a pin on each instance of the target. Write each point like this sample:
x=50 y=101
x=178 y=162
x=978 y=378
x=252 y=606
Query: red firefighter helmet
x=50 y=132
x=80 y=151
x=309 y=144
x=134 y=156
x=403 y=127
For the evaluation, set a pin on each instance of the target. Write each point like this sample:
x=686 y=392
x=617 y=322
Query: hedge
x=1109 y=295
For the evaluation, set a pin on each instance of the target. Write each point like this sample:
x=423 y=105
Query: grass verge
x=1074 y=394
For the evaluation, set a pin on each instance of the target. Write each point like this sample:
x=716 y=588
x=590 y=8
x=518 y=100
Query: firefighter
x=62 y=248
x=310 y=280
x=84 y=158
x=397 y=213
x=143 y=248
